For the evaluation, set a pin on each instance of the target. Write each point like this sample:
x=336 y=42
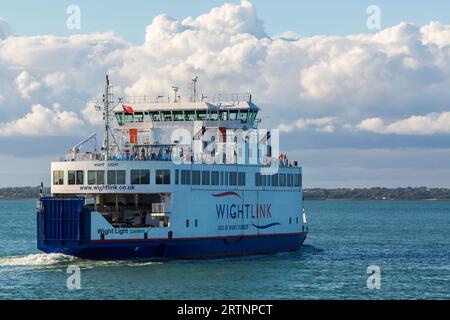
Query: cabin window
x=196 y=223
x=205 y=178
x=233 y=178
x=222 y=181
x=234 y=114
x=215 y=178
x=282 y=180
x=243 y=115
x=296 y=180
x=58 y=178
x=187 y=223
x=226 y=178
x=138 y=117
x=76 y=177
x=162 y=176
x=116 y=177
x=201 y=115
x=140 y=177
x=275 y=180
x=177 y=176
x=196 y=178
x=96 y=177
x=258 y=179
x=178 y=116
x=185 y=177
x=241 y=178
x=189 y=115
x=289 y=180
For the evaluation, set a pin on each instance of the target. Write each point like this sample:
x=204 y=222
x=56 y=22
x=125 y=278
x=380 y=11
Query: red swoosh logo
x=225 y=194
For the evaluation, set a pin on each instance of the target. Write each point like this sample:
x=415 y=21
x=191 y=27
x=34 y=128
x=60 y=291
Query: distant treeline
x=409 y=193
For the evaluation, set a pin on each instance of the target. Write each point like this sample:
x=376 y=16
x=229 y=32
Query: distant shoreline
x=309 y=194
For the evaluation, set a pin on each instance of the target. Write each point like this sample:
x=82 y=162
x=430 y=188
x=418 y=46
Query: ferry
x=174 y=179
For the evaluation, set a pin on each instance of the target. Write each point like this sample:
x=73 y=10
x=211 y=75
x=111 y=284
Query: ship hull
x=203 y=248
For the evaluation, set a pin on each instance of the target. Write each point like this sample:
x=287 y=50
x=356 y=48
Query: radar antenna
x=194 y=96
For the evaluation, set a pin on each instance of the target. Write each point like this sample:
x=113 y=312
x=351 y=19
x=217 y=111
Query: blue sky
x=356 y=107
x=128 y=19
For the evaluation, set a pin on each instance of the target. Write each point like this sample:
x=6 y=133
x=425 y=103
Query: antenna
x=175 y=91
x=194 y=96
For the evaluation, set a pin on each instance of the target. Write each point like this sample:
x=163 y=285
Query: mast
x=108 y=100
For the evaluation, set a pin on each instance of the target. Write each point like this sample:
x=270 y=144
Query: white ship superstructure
x=175 y=179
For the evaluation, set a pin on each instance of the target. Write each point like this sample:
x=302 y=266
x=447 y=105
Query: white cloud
x=324 y=125
x=43 y=121
x=26 y=84
x=400 y=70
x=433 y=123
x=91 y=114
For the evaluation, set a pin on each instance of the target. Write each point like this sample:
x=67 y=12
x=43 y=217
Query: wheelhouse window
x=234 y=114
x=154 y=116
x=162 y=176
x=201 y=115
x=58 y=178
x=189 y=115
x=140 y=176
x=75 y=177
x=96 y=177
x=214 y=116
x=138 y=117
x=167 y=116
x=243 y=115
x=178 y=116
x=116 y=177
x=224 y=115
x=120 y=118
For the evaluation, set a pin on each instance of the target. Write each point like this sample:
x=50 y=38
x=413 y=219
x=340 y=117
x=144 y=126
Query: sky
x=358 y=106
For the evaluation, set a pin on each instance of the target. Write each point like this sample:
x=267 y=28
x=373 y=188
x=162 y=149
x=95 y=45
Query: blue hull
x=177 y=249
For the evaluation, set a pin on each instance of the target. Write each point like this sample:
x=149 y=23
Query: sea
x=355 y=250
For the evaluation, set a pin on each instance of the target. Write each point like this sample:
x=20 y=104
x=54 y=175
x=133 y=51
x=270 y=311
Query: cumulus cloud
x=325 y=125
x=43 y=121
x=433 y=123
x=400 y=70
x=26 y=84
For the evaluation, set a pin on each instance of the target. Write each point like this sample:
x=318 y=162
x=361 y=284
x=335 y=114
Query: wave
x=40 y=259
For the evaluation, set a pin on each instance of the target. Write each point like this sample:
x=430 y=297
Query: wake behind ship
x=174 y=179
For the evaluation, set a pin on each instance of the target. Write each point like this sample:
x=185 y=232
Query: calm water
x=409 y=241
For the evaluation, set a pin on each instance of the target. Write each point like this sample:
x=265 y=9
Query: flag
x=127 y=109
